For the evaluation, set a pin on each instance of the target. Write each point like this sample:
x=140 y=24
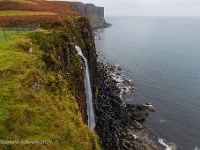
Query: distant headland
x=94 y=13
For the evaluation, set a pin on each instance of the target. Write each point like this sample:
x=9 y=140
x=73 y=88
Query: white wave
x=148 y=105
x=196 y=148
x=162 y=121
x=117 y=78
x=167 y=146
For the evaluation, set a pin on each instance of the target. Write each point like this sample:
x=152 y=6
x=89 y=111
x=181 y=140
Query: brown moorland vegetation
x=58 y=8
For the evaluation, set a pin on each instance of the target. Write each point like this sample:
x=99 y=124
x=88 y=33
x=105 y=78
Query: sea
x=161 y=55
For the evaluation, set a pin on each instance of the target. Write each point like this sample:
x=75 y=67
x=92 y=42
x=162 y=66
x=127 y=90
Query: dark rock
x=132 y=92
x=118 y=74
x=126 y=80
x=129 y=133
x=146 y=147
x=119 y=68
x=126 y=147
x=148 y=103
x=139 y=115
x=132 y=127
x=152 y=109
x=139 y=140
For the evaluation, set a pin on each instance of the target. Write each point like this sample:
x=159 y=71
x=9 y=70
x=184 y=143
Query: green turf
x=49 y=112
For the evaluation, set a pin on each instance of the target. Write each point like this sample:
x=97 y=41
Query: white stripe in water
x=196 y=148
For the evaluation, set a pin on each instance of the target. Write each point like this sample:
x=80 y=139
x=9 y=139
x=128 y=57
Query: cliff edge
x=43 y=101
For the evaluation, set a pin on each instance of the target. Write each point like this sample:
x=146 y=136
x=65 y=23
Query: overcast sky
x=148 y=7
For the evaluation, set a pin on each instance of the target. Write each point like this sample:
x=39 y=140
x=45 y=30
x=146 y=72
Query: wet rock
x=152 y=109
x=139 y=115
x=142 y=108
x=119 y=68
x=132 y=92
x=146 y=147
x=123 y=134
x=129 y=133
x=118 y=74
x=132 y=127
x=126 y=80
x=139 y=139
x=124 y=146
x=137 y=125
x=148 y=103
x=123 y=91
x=154 y=146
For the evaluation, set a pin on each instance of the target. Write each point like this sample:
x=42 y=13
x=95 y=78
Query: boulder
x=146 y=147
x=129 y=133
x=154 y=146
x=119 y=68
x=132 y=127
x=148 y=103
x=126 y=80
x=139 y=139
x=137 y=125
x=132 y=93
x=152 y=109
x=139 y=115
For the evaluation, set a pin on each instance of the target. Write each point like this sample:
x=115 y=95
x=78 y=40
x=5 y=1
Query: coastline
x=119 y=124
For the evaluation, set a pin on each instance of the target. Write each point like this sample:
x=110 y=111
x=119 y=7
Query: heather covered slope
x=42 y=12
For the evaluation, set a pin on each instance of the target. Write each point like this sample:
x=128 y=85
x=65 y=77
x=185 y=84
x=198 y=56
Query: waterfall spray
x=88 y=91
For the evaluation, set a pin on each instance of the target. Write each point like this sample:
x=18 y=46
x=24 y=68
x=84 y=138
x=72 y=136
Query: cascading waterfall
x=88 y=91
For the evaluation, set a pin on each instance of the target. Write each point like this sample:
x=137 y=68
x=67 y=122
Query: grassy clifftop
x=37 y=102
x=42 y=96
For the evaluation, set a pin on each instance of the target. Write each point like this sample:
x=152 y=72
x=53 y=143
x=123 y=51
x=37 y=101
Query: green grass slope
x=35 y=101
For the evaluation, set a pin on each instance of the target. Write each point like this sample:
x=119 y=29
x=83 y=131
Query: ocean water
x=161 y=55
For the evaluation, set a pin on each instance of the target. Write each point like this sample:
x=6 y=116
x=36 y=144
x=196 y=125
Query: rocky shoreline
x=117 y=121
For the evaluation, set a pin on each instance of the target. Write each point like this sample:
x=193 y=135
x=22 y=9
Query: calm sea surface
x=162 y=57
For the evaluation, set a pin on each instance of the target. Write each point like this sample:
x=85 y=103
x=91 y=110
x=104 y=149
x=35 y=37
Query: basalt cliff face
x=94 y=13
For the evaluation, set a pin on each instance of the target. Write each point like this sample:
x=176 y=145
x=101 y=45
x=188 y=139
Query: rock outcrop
x=117 y=121
x=94 y=13
x=87 y=9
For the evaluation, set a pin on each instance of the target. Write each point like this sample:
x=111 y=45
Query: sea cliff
x=94 y=13
x=42 y=83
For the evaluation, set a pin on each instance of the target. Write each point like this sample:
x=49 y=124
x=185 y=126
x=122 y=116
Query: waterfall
x=88 y=91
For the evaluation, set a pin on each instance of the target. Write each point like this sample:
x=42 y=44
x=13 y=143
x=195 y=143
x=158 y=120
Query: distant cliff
x=94 y=13
x=88 y=9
